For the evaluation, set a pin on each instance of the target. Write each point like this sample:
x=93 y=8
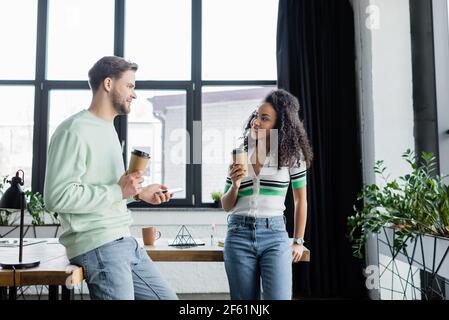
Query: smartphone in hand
x=172 y=190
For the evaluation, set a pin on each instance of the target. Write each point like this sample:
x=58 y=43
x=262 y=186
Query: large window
x=158 y=38
x=224 y=112
x=17 y=73
x=239 y=41
x=204 y=66
x=79 y=32
x=65 y=103
x=18 y=38
x=238 y=62
x=157 y=124
x=16 y=130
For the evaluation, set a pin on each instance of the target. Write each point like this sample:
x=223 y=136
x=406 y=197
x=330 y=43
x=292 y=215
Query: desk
x=161 y=251
x=54 y=270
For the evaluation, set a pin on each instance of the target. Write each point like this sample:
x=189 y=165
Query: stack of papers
x=16 y=242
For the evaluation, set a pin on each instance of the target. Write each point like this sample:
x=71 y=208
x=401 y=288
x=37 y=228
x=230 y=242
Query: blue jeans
x=258 y=250
x=122 y=270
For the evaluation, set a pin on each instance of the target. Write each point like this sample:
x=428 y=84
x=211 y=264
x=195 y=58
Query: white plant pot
x=31 y=231
x=426 y=252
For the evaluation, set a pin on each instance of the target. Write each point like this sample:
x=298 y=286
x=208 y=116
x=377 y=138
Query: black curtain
x=316 y=63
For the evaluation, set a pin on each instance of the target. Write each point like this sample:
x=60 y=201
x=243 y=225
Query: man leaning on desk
x=87 y=185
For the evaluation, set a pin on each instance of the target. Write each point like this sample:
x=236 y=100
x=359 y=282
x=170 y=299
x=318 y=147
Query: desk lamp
x=14 y=198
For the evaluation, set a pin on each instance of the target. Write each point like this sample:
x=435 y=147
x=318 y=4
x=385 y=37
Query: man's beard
x=118 y=104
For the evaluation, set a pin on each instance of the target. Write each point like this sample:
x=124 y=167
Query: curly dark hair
x=294 y=144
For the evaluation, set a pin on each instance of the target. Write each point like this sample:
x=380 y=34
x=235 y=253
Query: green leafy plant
x=412 y=204
x=36 y=209
x=216 y=195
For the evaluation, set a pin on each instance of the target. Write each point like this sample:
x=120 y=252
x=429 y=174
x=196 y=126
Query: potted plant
x=216 y=196
x=43 y=224
x=413 y=204
x=410 y=215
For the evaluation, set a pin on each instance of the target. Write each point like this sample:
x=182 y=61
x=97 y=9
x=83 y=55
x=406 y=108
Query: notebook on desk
x=15 y=242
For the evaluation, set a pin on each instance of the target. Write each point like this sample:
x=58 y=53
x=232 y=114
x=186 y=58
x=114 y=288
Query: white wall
x=384 y=74
x=441 y=30
x=392 y=84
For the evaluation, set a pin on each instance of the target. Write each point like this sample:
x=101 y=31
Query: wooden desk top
x=161 y=251
x=54 y=268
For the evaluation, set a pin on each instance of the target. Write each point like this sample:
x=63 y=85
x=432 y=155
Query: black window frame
x=192 y=87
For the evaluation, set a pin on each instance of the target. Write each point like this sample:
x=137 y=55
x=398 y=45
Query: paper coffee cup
x=240 y=156
x=138 y=161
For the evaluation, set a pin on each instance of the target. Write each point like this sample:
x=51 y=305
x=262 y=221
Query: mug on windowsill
x=150 y=235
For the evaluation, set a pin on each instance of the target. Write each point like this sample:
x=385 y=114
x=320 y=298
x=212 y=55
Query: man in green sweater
x=87 y=185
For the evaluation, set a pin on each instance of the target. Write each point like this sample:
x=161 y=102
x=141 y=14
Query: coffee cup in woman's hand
x=237 y=172
x=240 y=157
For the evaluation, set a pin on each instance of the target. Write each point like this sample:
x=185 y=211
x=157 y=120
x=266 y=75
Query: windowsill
x=178 y=209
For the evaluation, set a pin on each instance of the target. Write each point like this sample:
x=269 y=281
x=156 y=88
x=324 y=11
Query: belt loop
x=267 y=220
x=253 y=221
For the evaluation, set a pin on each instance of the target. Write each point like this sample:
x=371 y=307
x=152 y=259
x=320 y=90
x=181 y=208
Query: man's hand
x=153 y=194
x=131 y=184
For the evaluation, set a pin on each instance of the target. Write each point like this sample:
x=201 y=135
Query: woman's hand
x=236 y=172
x=297 y=251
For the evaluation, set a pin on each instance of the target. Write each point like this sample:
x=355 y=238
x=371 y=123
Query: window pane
x=157 y=122
x=80 y=32
x=16 y=131
x=224 y=113
x=63 y=104
x=18 y=38
x=239 y=41
x=157 y=38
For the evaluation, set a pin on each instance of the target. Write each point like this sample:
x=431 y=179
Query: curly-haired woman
x=257 y=245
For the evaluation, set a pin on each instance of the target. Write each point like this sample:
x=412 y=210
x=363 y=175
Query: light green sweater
x=84 y=166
